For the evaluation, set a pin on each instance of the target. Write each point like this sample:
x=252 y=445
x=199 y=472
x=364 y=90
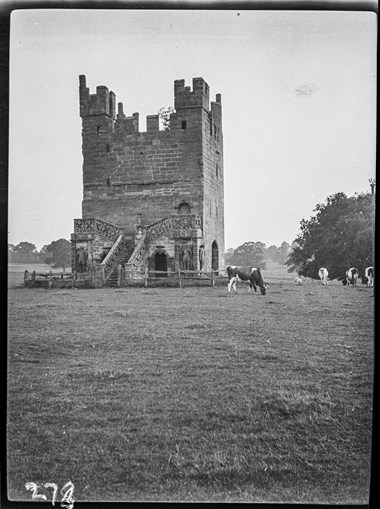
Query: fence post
x=212 y=277
x=50 y=277
x=119 y=274
x=146 y=277
x=179 y=277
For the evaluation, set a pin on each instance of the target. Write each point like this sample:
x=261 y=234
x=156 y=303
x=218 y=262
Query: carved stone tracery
x=95 y=225
x=112 y=259
x=115 y=234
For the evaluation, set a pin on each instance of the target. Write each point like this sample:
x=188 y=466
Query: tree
x=278 y=254
x=11 y=253
x=45 y=256
x=58 y=254
x=249 y=254
x=164 y=115
x=272 y=253
x=282 y=253
x=228 y=255
x=339 y=236
x=24 y=252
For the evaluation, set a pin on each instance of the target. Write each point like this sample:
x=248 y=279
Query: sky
x=298 y=102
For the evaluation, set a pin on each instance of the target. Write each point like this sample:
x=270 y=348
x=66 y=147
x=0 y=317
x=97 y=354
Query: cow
x=370 y=275
x=323 y=275
x=250 y=275
x=352 y=276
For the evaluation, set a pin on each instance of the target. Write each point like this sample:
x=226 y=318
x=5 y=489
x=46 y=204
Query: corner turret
x=103 y=102
x=185 y=98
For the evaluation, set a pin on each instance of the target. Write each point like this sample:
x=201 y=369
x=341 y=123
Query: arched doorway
x=214 y=256
x=161 y=263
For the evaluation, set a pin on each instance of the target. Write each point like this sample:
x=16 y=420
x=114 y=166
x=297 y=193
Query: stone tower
x=160 y=190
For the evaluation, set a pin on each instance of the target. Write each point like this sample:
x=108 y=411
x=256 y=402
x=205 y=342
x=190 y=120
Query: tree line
x=257 y=254
x=56 y=254
x=338 y=236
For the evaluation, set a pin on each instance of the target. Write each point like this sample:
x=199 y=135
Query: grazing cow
x=323 y=275
x=250 y=275
x=370 y=275
x=298 y=280
x=352 y=276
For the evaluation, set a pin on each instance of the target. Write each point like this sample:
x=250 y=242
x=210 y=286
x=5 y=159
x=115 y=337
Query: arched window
x=184 y=209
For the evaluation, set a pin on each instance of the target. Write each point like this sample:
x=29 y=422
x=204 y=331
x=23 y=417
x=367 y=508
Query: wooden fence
x=179 y=278
x=48 y=279
x=125 y=278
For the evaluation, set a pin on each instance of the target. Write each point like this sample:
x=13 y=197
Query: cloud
x=306 y=90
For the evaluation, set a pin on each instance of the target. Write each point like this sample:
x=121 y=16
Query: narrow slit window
x=183 y=124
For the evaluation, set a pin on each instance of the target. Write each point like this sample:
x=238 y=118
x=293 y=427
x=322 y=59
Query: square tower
x=164 y=184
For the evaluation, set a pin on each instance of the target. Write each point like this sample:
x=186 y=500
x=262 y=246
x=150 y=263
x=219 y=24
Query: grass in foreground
x=170 y=394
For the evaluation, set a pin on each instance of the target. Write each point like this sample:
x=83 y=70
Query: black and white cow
x=370 y=275
x=249 y=275
x=352 y=276
x=323 y=275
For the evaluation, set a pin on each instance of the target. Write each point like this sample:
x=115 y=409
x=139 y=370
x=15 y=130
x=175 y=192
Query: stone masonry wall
x=213 y=206
x=131 y=176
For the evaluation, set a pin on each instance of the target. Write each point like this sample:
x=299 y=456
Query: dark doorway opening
x=215 y=256
x=161 y=263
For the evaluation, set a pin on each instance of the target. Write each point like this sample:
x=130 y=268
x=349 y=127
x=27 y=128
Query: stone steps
x=112 y=281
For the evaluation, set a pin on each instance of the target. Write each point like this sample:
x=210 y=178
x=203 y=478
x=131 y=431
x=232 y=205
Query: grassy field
x=169 y=394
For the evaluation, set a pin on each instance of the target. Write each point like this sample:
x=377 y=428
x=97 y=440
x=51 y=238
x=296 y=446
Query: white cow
x=323 y=275
x=370 y=275
x=352 y=276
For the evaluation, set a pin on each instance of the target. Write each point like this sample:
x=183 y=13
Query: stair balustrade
x=95 y=225
x=114 y=233
x=159 y=229
x=110 y=262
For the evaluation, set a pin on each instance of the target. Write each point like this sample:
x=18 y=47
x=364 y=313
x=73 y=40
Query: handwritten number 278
x=66 y=491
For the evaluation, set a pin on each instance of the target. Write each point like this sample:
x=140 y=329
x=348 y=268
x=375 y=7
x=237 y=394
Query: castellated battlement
x=103 y=102
x=185 y=98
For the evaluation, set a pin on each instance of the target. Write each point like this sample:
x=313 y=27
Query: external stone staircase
x=113 y=278
x=106 y=273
